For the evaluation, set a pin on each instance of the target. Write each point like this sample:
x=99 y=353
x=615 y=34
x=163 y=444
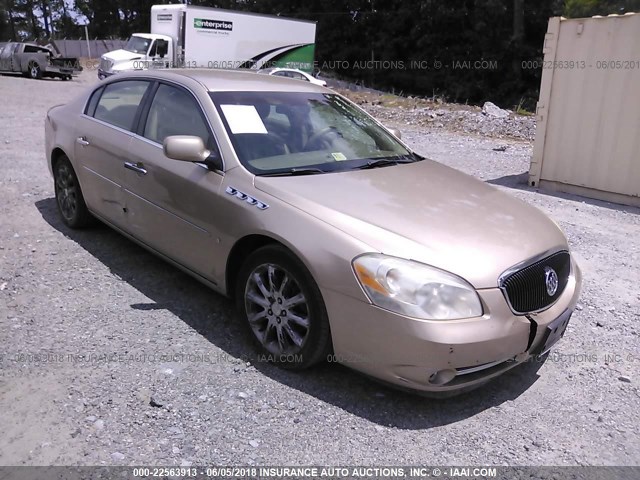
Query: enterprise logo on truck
x=212 y=24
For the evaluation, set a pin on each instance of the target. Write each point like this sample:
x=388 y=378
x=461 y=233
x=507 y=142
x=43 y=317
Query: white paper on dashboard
x=243 y=119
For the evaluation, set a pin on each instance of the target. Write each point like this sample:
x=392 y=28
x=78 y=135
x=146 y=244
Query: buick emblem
x=551 y=281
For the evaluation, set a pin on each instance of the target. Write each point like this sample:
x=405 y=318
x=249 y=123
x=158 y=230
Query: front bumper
x=441 y=356
x=54 y=70
x=102 y=74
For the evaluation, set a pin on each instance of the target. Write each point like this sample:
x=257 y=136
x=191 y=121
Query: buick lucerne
x=333 y=237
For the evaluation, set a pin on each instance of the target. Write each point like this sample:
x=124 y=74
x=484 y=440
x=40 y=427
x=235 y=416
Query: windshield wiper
x=386 y=161
x=295 y=171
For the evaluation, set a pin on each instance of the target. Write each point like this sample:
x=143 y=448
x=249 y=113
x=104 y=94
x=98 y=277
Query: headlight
x=414 y=289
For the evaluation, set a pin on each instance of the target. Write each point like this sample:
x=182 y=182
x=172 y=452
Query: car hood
x=121 y=55
x=426 y=212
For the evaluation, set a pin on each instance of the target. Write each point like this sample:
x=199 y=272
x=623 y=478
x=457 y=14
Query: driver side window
x=175 y=112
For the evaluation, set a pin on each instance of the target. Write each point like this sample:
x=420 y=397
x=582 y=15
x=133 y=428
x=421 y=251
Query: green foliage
x=467 y=50
x=464 y=50
x=588 y=8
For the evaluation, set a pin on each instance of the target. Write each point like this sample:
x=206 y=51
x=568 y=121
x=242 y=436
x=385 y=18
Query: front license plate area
x=554 y=332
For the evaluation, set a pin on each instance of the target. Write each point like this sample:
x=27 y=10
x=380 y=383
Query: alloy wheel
x=66 y=191
x=277 y=309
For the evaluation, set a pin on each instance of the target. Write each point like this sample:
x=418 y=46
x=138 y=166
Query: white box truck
x=200 y=37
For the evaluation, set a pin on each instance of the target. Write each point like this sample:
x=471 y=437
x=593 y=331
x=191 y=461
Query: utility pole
x=86 y=34
x=371 y=38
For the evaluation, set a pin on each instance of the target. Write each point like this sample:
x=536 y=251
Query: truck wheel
x=34 y=71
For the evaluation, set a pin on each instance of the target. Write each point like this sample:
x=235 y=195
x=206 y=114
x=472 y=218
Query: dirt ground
x=108 y=355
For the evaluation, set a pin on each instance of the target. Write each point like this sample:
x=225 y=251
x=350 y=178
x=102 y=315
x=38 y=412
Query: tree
x=7 y=27
x=466 y=50
x=589 y=8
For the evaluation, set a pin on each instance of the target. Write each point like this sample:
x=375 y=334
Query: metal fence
x=91 y=49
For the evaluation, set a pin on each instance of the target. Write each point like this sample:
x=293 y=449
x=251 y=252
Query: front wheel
x=283 y=308
x=69 y=198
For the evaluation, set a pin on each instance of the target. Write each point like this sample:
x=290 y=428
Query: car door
x=103 y=137
x=172 y=204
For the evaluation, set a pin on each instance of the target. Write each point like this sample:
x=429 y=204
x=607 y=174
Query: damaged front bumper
x=445 y=356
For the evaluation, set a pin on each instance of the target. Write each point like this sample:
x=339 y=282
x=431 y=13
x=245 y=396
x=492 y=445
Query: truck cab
x=185 y=35
x=142 y=51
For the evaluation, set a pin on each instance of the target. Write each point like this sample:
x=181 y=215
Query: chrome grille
x=526 y=288
x=105 y=64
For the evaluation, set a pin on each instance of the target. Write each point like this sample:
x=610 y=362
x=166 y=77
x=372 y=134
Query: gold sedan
x=333 y=237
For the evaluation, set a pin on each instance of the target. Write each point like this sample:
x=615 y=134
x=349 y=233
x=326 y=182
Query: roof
x=232 y=80
x=212 y=10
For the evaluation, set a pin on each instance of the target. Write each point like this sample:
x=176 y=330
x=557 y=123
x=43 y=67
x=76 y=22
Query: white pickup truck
x=36 y=61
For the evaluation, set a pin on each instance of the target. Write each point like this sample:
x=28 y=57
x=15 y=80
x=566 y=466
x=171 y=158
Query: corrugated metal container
x=588 y=114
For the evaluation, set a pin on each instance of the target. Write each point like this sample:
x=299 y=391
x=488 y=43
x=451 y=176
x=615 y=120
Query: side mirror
x=187 y=148
x=396 y=133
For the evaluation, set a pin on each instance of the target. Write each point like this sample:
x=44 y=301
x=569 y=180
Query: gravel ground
x=111 y=356
x=450 y=117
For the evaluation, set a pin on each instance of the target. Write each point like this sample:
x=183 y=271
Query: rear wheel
x=34 y=71
x=283 y=308
x=71 y=205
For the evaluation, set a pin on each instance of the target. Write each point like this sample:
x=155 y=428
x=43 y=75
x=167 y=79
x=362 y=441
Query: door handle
x=136 y=167
x=82 y=141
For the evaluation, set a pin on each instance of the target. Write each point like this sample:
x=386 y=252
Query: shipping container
x=588 y=114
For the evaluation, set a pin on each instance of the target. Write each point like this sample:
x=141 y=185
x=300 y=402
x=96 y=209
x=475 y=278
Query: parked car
x=333 y=237
x=293 y=73
x=36 y=61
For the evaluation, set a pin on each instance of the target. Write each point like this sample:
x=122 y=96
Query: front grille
x=526 y=289
x=105 y=64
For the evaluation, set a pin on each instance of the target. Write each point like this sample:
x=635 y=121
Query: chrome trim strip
x=152 y=79
x=528 y=262
x=129 y=133
x=485 y=366
x=101 y=176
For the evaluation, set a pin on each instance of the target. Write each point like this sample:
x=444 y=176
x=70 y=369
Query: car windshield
x=304 y=133
x=138 y=45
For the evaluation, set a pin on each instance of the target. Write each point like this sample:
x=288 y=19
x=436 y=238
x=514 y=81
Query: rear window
x=34 y=49
x=119 y=103
x=93 y=102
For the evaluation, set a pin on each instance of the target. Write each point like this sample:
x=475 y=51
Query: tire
x=64 y=78
x=35 y=72
x=297 y=337
x=69 y=199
